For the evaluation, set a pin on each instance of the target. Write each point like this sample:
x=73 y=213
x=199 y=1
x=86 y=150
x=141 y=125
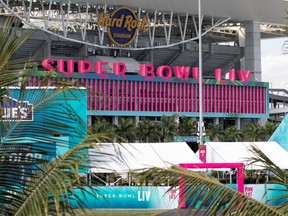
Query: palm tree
x=9 y=43
x=34 y=185
x=269 y=129
x=215 y=132
x=147 y=131
x=168 y=128
x=253 y=132
x=188 y=126
x=125 y=129
x=232 y=134
x=102 y=128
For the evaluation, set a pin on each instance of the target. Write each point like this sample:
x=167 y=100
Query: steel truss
x=61 y=18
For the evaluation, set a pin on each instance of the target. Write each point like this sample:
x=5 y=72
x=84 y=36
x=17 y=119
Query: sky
x=274 y=63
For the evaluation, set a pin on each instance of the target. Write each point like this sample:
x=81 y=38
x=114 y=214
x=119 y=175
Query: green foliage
x=101 y=126
x=232 y=134
x=188 y=126
x=147 y=131
x=125 y=129
x=250 y=132
x=215 y=132
x=253 y=132
x=168 y=128
x=164 y=130
x=269 y=129
x=11 y=71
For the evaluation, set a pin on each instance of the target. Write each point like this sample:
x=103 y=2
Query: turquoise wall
x=124 y=197
x=62 y=114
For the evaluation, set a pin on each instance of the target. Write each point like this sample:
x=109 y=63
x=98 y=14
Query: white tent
x=124 y=157
x=233 y=152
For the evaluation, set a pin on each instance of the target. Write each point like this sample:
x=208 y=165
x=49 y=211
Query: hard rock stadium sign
x=122 y=25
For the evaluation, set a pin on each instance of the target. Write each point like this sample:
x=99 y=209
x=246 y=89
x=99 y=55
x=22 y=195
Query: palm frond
x=208 y=194
x=30 y=182
x=277 y=176
x=11 y=39
x=54 y=114
x=51 y=188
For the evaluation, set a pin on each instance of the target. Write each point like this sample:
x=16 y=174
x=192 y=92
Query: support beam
x=60 y=18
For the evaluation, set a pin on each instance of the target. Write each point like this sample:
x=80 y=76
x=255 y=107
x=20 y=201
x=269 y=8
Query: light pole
x=200 y=74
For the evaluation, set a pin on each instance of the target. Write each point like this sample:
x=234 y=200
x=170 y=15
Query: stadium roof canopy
x=266 y=11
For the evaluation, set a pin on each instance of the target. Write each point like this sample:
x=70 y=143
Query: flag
x=177 y=120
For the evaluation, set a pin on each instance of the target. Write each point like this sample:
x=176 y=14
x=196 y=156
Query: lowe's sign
x=12 y=109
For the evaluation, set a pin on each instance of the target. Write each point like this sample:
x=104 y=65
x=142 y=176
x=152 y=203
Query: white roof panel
x=267 y=11
x=134 y=156
x=235 y=152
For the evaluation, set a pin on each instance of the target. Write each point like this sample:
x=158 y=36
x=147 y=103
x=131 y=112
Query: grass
x=118 y=212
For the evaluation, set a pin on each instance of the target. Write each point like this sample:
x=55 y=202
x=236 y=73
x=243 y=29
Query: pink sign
x=202 y=153
x=249 y=191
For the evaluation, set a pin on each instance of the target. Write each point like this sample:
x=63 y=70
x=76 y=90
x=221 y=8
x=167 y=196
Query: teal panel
x=124 y=197
x=264 y=193
x=280 y=135
x=70 y=107
x=21 y=150
x=187 y=114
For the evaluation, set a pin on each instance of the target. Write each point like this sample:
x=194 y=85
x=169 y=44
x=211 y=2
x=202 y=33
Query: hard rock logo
x=122 y=25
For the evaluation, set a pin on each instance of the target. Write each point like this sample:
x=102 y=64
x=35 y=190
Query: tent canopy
x=221 y=152
x=124 y=157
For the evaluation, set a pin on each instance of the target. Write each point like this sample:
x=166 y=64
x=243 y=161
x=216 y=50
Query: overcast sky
x=274 y=63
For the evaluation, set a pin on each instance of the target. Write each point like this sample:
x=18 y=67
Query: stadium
x=149 y=58
x=164 y=39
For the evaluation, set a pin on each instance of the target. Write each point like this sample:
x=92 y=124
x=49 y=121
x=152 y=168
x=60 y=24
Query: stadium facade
x=142 y=59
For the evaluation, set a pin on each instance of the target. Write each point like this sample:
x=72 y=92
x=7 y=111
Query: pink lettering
x=232 y=75
x=47 y=64
x=202 y=154
x=119 y=68
x=195 y=73
x=244 y=75
x=181 y=72
x=147 y=70
x=249 y=191
x=218 y=75
x=70 y=67
x=84 y=66
x=100 y=70
x=172 y=193
x=161 y=70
